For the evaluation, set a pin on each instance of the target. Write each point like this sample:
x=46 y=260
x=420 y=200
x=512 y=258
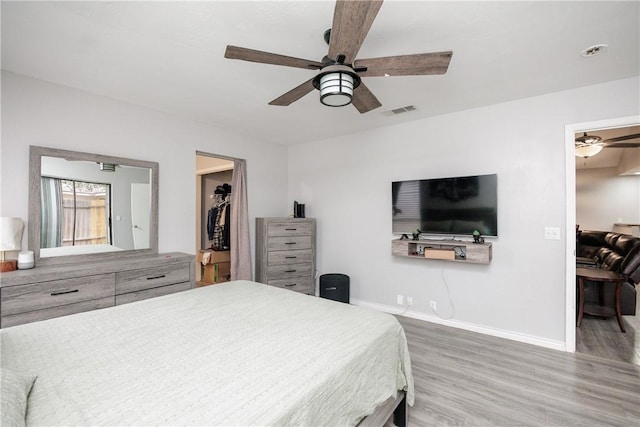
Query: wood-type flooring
x=603 y=338
x=467 y=379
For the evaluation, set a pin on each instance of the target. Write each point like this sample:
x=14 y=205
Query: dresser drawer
x=50 y=313
x=289 y=257
x=147 y=278
x=289 y=229
x=288 y=270
x=153 y=292
x=298 y=284
x=289 y=243
x=55 y=293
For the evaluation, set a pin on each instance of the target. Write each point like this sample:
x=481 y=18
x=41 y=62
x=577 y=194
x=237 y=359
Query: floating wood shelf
x=448 y=250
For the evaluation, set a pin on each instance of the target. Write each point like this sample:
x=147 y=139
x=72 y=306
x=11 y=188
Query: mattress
x=238 y=353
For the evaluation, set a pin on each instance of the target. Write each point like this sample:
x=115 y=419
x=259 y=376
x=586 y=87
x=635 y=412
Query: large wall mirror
x=85 y=206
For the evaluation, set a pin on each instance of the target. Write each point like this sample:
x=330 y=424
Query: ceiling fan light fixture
x=336 y=89
x=588 y=139
x=586 y=151
x=588 y=145
x=336 y=84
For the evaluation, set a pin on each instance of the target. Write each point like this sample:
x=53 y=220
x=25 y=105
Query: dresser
x=53 y=291
x=286 y=253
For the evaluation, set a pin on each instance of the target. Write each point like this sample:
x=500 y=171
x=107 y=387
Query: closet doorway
x=214 y=175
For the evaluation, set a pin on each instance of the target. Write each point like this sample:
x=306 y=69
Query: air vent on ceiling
x=400 y=110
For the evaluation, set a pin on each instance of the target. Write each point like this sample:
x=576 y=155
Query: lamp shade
x=10 y=233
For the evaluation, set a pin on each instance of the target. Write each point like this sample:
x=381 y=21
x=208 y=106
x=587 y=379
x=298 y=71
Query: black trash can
x=335 y=286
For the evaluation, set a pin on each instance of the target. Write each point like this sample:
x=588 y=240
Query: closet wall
x=209 y=183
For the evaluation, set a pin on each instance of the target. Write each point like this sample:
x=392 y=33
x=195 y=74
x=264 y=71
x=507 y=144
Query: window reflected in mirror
x=89 y=208
x=75 y=213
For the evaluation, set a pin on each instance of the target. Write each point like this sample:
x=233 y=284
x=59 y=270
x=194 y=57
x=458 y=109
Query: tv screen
x=457 y=205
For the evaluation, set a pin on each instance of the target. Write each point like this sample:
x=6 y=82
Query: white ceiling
x=169 y=56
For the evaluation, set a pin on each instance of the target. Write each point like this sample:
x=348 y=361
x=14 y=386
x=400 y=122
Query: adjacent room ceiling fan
x=339 y=78
x=590 y=145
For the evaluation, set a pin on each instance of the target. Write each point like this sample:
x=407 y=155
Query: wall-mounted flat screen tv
x=457 y=205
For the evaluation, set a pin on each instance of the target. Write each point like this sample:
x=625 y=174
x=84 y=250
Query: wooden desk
x=604 y=276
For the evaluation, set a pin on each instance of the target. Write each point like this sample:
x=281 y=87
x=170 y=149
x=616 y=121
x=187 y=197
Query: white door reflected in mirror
x=140 y=208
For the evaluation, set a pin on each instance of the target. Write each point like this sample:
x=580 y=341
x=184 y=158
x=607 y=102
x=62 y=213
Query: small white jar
x=25 y=260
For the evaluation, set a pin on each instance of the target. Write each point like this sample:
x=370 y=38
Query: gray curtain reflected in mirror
x=51 y=215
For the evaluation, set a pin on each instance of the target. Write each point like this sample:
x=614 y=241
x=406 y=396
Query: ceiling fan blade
x=351 y=23
x=620 y=141
x=622 y=144
x=405 y=65
x=294 y=94
x=244 y=54
x=364 y=100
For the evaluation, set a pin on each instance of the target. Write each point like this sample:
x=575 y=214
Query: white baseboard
x=514 y=336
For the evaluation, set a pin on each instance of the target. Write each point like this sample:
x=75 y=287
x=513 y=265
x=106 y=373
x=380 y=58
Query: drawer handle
x=290 y=257
x=290 y=243
x=290 y=229
x=290 y=285
x=290 y=271
x=156 y=277
x=333 y=288
x=53 y=294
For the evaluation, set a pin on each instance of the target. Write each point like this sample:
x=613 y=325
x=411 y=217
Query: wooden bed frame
x=394 y=409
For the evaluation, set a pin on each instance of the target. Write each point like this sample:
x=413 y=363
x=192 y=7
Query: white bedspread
x=239 y=353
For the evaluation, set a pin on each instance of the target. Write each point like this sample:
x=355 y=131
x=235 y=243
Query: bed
x=238 y=353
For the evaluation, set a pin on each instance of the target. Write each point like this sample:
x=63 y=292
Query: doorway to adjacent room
x=582 y=340
x=214 y=175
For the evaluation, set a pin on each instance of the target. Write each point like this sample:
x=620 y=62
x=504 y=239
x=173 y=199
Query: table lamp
x=10 y=240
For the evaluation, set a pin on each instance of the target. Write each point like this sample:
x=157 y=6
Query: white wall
x=346 y=184
x=39 y=113
x=603 y=198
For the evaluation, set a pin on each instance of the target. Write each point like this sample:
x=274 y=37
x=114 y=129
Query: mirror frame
x=35 y=202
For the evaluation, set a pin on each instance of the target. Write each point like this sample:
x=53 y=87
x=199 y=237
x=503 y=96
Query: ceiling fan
x=590 y=145
x=339 y=78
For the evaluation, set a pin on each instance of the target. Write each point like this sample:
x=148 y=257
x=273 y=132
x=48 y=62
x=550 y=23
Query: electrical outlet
x=552 y=233
x=410 y=301
x=399 y=300
x=433 y=304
